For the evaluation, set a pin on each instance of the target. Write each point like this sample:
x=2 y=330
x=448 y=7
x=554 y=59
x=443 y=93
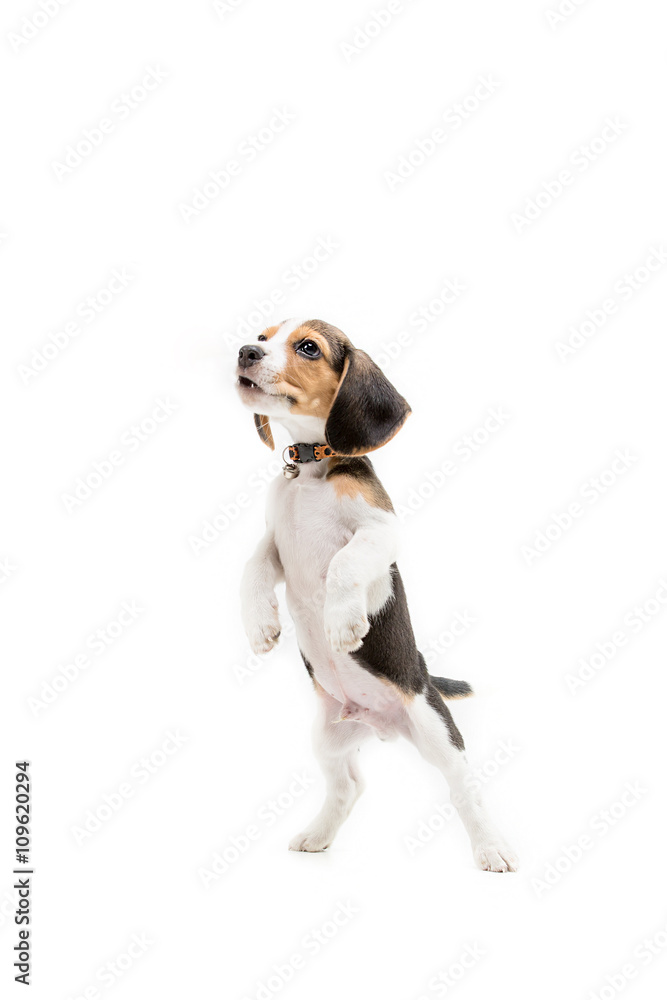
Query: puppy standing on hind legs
x=331 y=536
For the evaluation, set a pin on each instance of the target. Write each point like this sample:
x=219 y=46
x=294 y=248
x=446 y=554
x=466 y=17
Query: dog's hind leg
x=336 y=745
x=431 y=728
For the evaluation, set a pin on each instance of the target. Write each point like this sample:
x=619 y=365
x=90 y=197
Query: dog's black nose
x=249 y=354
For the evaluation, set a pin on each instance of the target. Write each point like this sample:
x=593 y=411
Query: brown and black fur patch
x=367 y=411
x=356 y=476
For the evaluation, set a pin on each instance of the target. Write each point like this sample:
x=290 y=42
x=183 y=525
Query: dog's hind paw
x=495 y=858
x=310 y=840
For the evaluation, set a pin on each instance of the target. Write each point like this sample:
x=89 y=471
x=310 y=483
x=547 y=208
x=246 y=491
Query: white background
x=358 y=104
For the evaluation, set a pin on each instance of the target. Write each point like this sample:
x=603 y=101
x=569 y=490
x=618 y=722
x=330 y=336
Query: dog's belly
x=363 y=696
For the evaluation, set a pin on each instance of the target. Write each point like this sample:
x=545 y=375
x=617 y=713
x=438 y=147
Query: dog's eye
x=261 y=337
x=309 y=348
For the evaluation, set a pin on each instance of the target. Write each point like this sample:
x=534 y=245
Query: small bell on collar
x=290 y=471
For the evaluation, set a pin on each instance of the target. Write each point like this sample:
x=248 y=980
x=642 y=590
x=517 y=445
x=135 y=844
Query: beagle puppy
x=331 y=537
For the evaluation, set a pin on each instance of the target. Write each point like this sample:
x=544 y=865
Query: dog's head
x=310 y=369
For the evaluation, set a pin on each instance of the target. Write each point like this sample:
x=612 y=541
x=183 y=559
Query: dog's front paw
x=345 y=625
x=495 y=858
x=263 y=629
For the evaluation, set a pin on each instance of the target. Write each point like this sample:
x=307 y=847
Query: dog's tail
x=451 y=689
x=448 y=688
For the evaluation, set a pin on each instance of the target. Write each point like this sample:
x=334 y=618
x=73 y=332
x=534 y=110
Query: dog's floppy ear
x=264 y=430
x=367 y=411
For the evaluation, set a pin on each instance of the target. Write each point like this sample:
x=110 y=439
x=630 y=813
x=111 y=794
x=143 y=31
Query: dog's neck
x=307 y=430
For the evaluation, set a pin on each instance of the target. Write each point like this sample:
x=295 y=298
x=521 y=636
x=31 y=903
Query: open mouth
x=248 y=383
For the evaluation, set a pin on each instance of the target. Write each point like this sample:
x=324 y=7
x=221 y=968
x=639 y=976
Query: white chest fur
x=310 y=527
